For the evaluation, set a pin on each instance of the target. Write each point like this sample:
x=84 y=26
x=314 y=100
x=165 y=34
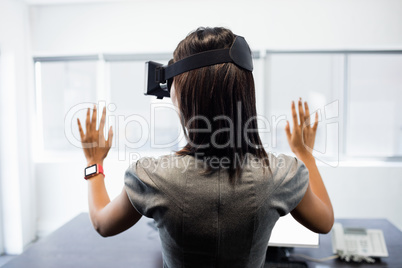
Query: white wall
x=365 y=190
x=157 y=26
x=16 y=96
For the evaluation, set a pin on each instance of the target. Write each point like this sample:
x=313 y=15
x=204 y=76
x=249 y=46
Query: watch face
x=90 y=170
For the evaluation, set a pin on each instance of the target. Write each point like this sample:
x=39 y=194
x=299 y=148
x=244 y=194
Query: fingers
x=287 y=130
x=88 y=122
x=80 y=130
x=294 y=115
x=91 y=125
x=315 y=122
x=110 y=137
x=307 y=115
x=94 y=115
x=102 y=121
x=301 y=112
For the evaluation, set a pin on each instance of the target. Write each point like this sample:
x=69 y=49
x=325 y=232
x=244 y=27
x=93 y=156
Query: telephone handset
x=358 y=244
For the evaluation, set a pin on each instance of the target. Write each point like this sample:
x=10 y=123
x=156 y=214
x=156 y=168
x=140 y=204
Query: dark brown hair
x=218 y=102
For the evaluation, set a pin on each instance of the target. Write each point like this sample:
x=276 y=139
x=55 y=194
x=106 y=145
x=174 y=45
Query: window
x=375 y=96
x=143 y=122
x=357 y=95
x=62 y=86
x=65 y=87
x=316 y=78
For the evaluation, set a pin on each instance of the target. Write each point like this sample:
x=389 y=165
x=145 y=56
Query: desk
x=76 y=244
x=392 y=235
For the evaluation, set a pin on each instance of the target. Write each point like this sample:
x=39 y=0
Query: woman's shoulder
x=288 y=182
x=282 y=169
x=164 y=163
x=156 y=178
x=276 y=162
x=167 y=172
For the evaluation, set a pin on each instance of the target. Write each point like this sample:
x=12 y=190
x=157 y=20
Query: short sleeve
x=142 y=191
x=292 y=184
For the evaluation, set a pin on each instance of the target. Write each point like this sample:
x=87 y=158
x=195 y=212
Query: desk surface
x=392 y=235
x=76 y=244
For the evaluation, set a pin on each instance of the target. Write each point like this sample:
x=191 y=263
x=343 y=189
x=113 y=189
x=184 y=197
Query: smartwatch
x=93 y=170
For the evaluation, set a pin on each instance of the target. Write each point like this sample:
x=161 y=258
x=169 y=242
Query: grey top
x=206 y=221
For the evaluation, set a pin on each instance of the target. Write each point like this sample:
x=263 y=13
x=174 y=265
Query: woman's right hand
x=302 y=138
x=95 y=146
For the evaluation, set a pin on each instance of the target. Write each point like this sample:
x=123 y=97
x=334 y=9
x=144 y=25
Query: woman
x=216 y=201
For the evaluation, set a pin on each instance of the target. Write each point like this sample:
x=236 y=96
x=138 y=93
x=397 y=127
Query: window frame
x=103 y=88
x=344 y=96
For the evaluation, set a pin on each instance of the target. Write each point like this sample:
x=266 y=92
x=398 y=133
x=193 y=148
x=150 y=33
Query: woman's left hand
x=95 y=146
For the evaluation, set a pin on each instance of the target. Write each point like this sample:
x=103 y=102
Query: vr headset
x=159 y=77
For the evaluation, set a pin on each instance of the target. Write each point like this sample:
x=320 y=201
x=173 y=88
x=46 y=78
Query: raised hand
x=302 y=138
x=95 y=146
